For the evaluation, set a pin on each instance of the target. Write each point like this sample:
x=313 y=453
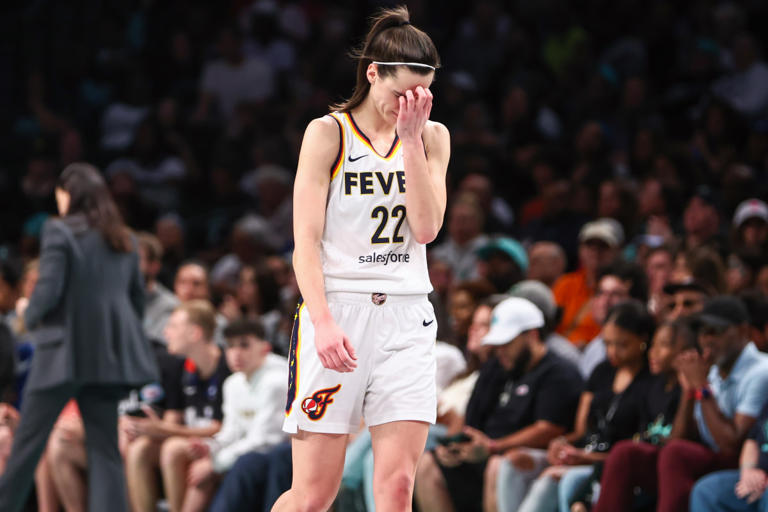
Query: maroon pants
x=669 y=472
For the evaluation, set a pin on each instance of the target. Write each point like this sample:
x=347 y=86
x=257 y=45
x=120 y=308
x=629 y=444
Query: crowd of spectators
x=609 y=165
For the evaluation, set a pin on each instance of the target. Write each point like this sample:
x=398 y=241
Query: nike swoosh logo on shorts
x=425 y=323
x=356 y=159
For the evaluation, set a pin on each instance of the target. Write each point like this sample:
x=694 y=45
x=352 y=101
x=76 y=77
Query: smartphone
x=459 y=438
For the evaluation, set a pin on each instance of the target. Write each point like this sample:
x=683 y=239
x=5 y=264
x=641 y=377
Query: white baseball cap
x=511 y=317
x=751 y=208
x=605 y=229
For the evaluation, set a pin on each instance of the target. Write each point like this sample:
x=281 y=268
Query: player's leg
x=397 y=447
x=318 y=462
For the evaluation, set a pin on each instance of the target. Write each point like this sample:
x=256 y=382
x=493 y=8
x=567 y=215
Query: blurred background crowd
x=589 y=139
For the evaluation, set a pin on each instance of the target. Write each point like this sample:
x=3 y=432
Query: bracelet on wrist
x=702 y=393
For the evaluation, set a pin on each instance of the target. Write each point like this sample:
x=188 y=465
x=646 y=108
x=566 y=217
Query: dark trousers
x=39 y=411
x=669 y=472
x=255 y=481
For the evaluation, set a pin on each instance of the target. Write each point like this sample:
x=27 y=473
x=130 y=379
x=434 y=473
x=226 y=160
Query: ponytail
x=391 y=39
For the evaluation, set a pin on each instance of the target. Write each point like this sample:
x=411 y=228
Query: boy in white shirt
x=254 y=401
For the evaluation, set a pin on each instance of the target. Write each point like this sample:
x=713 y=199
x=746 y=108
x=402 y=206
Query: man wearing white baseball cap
x=524 y=398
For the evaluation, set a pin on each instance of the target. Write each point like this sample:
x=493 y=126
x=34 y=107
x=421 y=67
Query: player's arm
x=426 y=150
x=319 y=150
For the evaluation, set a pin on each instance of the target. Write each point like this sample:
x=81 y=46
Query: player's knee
x=397 y=488
x=314 y=501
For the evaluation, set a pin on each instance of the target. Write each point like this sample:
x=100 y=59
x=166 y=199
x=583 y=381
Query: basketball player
x=369 y=193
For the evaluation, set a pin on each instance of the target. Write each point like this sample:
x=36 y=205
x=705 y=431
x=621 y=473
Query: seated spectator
x=658 y=266
x=192 y=283
x=630 y=464
x=232 y=78
x=251 y=240
x=9 y=280
x=688 y=298
x=465 y=236
x=503 y=262
x=616 y=283
x=701 y=220
x=463 y=299
x=750 y=226
x=608 y=412
x=524 y=397
x=160 y=301
x=757 y=306
x=738 y=490
x=543 y=298
x=193 y=401
x=546 y=262
x=744 y=88
x=253 y=406
x=499 y=215
x=723 y=391
x=599 y=243
x=154 y=167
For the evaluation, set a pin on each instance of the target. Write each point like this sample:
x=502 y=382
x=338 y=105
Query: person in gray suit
x=85 y=317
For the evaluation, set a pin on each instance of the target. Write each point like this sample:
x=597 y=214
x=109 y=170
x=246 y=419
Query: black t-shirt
x=500 y=405
x=155 y=393
x=660 y=409
x=759 y=434
x=613 y=416
x=200 y=400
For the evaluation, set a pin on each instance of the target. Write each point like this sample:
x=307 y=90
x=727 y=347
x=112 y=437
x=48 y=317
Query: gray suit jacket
x=85 y=313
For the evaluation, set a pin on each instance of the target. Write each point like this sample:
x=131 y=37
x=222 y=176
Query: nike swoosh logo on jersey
x=356 y=159
x=425 y=323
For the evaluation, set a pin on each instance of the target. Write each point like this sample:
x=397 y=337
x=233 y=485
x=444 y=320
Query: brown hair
x=201 y=314
x=391 y=38
x=151 y=244
x=89 y=196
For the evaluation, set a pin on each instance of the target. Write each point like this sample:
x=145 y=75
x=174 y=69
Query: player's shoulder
x=436 y=134
x=435 y=129
x=326 y=126
x=322 y=132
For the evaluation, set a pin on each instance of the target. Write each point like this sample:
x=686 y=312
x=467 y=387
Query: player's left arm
x=426 y=151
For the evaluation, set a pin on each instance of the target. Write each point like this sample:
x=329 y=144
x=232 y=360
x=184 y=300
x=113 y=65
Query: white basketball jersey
x=367 y=244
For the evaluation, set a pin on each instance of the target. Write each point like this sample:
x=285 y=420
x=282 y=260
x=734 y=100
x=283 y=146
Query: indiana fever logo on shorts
x=314 y=406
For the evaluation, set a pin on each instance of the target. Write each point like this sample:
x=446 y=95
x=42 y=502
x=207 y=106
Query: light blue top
x=743 y=391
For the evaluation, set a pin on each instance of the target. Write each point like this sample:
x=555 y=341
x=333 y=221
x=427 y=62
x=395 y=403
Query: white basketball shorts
x=394 y=340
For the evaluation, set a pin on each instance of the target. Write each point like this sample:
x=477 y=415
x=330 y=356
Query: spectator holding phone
x=524 y=397
x=193 y=400
x=253 y=415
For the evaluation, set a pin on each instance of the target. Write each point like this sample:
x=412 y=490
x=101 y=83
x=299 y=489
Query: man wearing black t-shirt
x=524 y=397
x=193 y=401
